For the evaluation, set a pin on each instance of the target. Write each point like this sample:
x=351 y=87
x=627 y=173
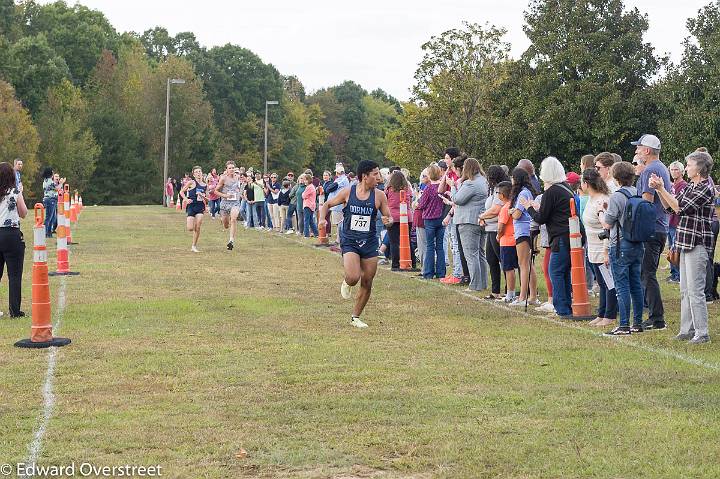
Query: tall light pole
x=269 y=102
x=177 y=81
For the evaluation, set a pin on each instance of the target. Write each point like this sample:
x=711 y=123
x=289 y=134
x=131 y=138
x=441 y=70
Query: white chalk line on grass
x=624 y=341
x=47 y=390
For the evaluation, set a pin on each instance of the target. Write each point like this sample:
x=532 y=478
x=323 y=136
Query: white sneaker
x=546 y=308
x=357 y=323
x=517 y=302
x=194 y=249
x=345 y=290
x=289 y=232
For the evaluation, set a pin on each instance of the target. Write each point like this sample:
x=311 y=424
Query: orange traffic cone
x=81 y=203
x=73 y=212
x=178 y=205
x=580 y=301
x=63 y=254
x=172 y=201
x=66 y=206
x=405 y=262
x=41 y=335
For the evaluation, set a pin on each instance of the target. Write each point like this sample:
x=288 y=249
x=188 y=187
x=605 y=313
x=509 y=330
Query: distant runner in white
x=358 y=241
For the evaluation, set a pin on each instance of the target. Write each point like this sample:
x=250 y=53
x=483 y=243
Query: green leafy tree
x=67 y=143
x=35 y=67
x=454 y=97
x=193 y=137
x=689 y=97
x=237 y=84
x=18 y=135
x=76 y=33
x=588 y=71
x=120 y=116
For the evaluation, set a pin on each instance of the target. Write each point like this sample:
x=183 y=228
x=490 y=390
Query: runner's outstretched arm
x=384 y=209
x=340 y=199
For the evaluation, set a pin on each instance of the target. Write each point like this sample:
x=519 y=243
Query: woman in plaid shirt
x=694 y=237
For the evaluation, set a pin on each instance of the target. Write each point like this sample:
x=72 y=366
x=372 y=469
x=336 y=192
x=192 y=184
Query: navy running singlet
x=193 y=193
x=359 y=217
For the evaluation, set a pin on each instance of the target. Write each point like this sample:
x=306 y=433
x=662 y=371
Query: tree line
x=89 y=101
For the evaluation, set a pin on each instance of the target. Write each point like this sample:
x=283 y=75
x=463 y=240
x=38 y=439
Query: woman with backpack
x=625 y=256
x=694 y=237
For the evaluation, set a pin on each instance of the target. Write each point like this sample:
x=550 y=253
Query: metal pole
x=265 y=156
x=167 y=132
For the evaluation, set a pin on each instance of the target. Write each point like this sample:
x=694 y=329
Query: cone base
x=55 y=342
x=72 y=242
x=68 y=273
x=582 y=318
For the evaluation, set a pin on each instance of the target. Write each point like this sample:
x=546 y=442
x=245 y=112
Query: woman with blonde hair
x=432 y=208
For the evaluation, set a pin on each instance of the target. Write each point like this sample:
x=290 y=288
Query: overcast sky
x=374 y=43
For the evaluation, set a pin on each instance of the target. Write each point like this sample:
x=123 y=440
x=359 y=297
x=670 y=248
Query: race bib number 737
x=360 y=223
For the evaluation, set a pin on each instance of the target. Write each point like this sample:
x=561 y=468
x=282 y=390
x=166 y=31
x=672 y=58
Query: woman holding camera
x=598 y=244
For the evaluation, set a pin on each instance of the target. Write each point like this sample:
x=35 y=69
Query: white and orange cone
x=41 y=335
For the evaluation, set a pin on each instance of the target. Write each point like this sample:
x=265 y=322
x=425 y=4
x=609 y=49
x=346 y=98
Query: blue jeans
x=608 y=298
x=434 y=263
x=626 y=261
x=309 y=222
x=560 y=278
x=259 y=207
x=214 y=207
x=290 y=213
x=674 y=270
x=266 y=215
x=50 y=205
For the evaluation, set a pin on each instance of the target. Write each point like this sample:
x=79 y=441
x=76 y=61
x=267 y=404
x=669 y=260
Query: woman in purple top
x=432 y=207
x=677 y=173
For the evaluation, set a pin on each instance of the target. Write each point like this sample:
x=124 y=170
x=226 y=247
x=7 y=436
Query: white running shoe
x=547 y=308
x=289 y=232
x=194 y=249
x=357 y=323
x=517 y=302
x=345 y=290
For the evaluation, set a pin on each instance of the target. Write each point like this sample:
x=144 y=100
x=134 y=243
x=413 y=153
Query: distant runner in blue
x=359 y=243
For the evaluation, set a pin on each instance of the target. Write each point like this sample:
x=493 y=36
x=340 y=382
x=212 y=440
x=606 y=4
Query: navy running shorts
x=365 y=249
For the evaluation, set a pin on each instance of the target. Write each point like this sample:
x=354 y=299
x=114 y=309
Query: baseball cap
x=651 y=141
x=572 y=178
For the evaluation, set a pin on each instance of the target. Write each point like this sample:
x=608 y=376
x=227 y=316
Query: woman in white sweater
x=598 y=191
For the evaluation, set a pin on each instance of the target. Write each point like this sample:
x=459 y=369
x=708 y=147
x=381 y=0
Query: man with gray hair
x=528 y=166
x=647 y=154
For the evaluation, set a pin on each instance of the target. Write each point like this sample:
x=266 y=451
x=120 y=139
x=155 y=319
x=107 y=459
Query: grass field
x=182 y=360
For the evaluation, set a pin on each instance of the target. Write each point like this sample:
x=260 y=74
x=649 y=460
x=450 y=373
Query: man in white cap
x=336 y=212
x=647 y=154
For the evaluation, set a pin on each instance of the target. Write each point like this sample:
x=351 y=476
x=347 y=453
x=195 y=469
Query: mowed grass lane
x=182 y=359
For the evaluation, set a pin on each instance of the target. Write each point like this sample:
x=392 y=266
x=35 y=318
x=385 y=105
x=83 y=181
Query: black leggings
x=12 y=253
x=492 y=254
x=394 y=232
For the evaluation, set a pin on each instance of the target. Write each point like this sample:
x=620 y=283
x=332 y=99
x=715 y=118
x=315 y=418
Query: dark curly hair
x=521 y=179
x=496 y=175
